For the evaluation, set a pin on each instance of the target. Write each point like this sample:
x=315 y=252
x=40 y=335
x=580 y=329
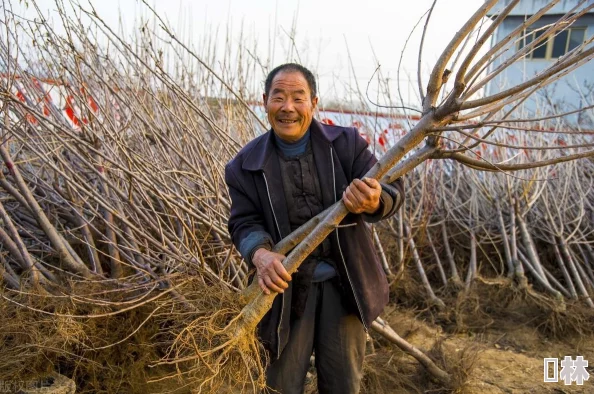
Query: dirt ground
x=509 y=357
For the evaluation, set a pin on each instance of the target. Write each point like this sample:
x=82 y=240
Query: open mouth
x=287 y=121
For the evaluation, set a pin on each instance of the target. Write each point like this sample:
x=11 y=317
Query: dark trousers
x=338 y=338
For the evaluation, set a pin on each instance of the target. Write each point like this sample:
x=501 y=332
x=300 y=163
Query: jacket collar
x=259 y=156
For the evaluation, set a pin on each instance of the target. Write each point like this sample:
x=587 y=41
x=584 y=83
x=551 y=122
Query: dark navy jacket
x=259 y=208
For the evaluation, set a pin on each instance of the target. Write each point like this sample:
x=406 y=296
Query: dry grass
x=460 y=363
x=34 y=344
x=120 y=352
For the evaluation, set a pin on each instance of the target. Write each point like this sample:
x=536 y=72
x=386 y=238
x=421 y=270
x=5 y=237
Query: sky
x=336 y=39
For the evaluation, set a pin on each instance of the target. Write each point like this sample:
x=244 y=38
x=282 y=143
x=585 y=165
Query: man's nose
x=288 y=106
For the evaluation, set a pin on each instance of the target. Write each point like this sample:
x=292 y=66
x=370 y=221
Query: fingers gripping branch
x=272 y=275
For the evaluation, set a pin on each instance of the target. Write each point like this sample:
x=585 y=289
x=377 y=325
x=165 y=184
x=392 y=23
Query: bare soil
x=509 y=358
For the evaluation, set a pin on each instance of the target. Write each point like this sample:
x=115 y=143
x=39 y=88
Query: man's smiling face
x=289 y=105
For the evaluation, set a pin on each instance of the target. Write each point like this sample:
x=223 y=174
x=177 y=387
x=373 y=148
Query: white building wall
x=572 y=91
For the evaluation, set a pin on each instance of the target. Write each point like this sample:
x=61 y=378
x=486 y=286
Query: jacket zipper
x=340 y=249
x=280 y=321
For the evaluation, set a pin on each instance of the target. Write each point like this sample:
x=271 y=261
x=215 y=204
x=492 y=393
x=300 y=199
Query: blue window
x=552 y=47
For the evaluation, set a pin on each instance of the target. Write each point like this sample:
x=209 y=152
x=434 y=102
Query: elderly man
x=279 y=181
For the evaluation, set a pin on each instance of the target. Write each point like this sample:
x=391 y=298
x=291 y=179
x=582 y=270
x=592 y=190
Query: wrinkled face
x=289 y=105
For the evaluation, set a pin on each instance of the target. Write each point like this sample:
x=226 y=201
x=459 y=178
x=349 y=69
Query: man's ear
x=315 y=102
x=264 y=99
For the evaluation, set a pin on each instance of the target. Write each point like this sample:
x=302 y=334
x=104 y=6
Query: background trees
x=114 y=216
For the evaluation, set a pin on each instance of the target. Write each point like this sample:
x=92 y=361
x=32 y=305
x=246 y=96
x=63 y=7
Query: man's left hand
x=362 y=196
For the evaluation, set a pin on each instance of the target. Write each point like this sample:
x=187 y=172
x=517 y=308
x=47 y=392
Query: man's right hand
x=272 y=275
